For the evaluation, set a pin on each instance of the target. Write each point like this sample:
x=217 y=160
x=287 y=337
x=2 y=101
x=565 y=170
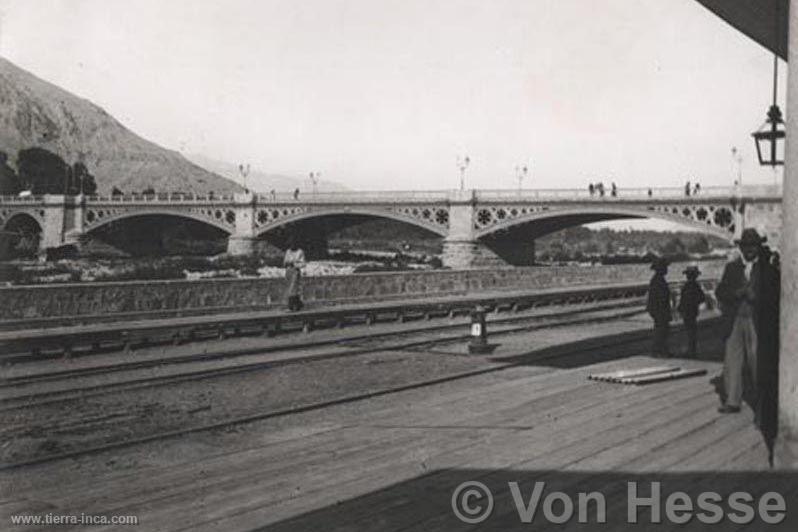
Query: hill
x=263 y=182
x=35 y=113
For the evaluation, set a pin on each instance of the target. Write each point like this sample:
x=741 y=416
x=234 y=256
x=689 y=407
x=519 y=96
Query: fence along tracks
x=131 y=335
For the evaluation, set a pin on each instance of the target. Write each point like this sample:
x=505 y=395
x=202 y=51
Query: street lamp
x=244 y=171
x=462 y=164
x=520 y=174
x=314 y=179
x=738 y=159
x=773 y=131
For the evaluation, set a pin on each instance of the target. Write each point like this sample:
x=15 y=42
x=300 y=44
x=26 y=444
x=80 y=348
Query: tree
x=83 y=181
x=9 y=181
x=674 y=246
x=149 y=191
x=116 y=192
x=699 y=245
x=42 y=171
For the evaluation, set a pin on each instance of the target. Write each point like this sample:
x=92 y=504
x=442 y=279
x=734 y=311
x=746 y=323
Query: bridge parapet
x=628 y=194
x=368 y=197
x=427 y=196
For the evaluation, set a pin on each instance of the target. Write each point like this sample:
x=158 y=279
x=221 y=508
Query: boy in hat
x=691 y=297
x=659 y=306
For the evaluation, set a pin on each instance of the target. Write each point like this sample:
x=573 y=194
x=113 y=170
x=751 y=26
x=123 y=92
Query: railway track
x=629 y=339
x=26 y=393
x=355 y=345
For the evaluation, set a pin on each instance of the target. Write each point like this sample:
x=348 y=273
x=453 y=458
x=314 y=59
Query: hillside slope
x=34 y=112
x=260 y=181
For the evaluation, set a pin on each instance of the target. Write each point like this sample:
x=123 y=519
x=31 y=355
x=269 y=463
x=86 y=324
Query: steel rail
x=627 y=338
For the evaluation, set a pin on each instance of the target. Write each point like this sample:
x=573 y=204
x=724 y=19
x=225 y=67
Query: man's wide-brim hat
x=750 y=238
x=692 y=270
x=660 y=263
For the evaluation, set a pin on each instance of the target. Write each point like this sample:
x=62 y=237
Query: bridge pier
x=461 y=249
x=241 y=245
x=465 y=254
x=53 y=226
x=242 y=240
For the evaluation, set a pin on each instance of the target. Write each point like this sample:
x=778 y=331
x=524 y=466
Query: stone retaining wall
x=69 y=300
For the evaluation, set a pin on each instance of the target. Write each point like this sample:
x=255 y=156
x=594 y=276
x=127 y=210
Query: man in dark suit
x=659 y=306
x=748 y=294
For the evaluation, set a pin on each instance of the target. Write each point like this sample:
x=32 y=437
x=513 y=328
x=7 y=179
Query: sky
x=387 y=94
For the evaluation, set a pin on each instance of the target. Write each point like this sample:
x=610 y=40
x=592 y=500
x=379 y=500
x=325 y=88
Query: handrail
x=636 y=193
x=422 y=196
x=23 y=199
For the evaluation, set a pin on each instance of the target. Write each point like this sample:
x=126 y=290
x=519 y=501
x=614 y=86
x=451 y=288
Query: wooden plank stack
x=647 y=375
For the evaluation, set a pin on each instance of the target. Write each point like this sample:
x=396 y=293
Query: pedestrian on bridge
x=690 y=299
x=294 y=261
x=659 y=306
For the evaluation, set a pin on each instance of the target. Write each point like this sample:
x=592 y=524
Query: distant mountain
x=34 y=112
x=260 y=181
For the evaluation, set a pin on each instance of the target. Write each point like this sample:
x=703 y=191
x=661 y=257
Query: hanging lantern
x=770 y=139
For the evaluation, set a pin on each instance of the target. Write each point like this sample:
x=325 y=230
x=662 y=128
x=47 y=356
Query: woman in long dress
x=293 y=261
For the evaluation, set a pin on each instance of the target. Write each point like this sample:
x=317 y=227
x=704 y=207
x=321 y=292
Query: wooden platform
x=392 y=463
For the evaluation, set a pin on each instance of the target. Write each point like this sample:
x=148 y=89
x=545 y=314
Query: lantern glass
x=770 y=139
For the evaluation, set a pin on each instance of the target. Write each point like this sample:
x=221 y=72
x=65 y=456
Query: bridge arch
x=714 y=220
x=98 y=218
x=21 y=220
x=432 y=219
x=20 y=235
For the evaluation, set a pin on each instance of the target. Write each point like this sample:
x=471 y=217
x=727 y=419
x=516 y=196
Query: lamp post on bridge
x=520 y=174
x=738 y=160
x=462 y=164
x=244 y=171
x=314 y=179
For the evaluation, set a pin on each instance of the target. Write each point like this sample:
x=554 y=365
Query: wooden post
x=786 y=451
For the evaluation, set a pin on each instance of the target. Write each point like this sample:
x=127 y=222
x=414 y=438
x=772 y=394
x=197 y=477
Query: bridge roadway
x=478 y=227
x=392 y=462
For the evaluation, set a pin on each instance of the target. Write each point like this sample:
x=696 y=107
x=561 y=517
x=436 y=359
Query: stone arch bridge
x=478 y=227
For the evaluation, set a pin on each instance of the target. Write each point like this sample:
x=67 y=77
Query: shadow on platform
x=618 y=346
x=426 y=502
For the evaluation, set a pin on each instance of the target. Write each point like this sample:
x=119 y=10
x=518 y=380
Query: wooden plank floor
x=392 y=463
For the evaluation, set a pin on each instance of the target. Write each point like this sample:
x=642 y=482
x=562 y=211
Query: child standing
x=691 y=298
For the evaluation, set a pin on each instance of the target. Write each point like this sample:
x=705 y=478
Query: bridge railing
x=371 y=196
x=162 y=197
x=621 y=194
x=432 y=196
x=18 y=199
